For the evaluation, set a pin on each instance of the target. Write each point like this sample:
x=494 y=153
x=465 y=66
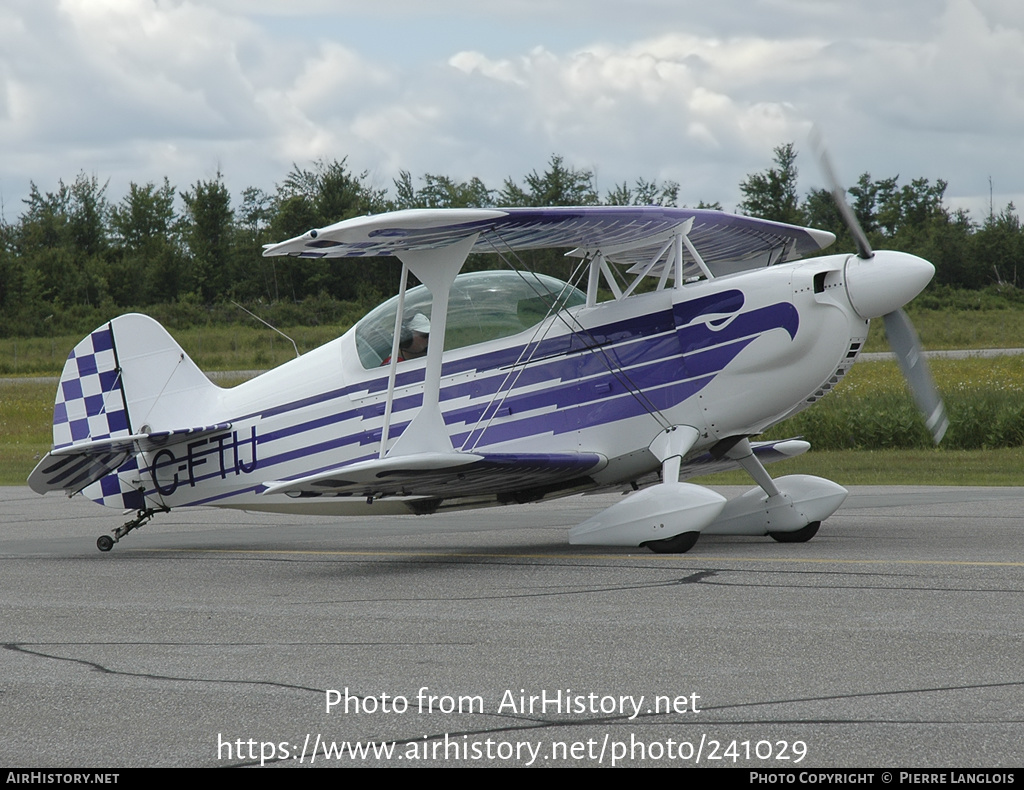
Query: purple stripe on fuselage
x=581 y=417
x=712 y=304
x=581 y=366
x=620 y=341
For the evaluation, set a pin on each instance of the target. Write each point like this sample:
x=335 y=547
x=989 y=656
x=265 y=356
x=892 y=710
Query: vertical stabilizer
x=127 y=380
x=163 y=388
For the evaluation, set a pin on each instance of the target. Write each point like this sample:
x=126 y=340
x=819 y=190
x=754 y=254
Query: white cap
x=420 y=324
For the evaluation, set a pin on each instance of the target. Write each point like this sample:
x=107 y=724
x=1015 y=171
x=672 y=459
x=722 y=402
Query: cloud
x=161 y=88
x=140 y=89
x=655 y=104
x=132 y=68
x=970 y=74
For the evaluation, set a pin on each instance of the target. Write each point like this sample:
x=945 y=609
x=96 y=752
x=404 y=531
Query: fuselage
x=729 y=356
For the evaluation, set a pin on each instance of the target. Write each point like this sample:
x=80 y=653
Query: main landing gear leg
x=782 y=506
x=142 y=517
x=738 y=449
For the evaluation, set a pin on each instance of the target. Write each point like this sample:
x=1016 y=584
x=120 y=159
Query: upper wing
x=625 y=234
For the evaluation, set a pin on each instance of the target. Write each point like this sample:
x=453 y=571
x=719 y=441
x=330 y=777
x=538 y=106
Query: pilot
x=414 y=340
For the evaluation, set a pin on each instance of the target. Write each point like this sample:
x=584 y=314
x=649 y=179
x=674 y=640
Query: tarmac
x=221 y=638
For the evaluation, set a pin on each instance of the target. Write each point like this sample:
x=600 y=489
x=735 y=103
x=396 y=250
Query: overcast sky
x=696 y=92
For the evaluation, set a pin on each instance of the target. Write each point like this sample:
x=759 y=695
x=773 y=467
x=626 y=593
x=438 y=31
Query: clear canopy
x=482 y=306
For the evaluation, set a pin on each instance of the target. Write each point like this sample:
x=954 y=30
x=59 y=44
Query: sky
x=695 y=92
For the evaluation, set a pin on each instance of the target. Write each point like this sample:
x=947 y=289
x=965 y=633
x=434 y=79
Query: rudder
x=129 y=376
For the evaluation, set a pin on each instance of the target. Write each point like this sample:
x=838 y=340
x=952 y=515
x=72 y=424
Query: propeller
x=879 y=284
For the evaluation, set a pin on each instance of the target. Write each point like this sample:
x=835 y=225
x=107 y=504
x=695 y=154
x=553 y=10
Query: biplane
x=683 y=335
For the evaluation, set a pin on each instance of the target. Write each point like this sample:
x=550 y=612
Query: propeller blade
x=903 y=338
x=839 y=196
x=906 y=345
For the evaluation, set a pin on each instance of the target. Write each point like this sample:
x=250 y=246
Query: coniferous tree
x=772 y=194
x=206 y=230
x=148 y=268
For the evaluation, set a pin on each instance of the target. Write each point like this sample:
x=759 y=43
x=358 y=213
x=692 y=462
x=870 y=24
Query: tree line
x=911 y=217
x=75 y=256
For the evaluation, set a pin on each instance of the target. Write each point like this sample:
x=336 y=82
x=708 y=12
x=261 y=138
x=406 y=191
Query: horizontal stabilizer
x=157 y=439
x=444 y=475
x=73 y=470
x=72 y=467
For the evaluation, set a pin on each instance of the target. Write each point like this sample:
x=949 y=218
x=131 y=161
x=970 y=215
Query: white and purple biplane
x=691 y=331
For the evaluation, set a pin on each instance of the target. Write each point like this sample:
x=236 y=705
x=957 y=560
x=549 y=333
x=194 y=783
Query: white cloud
x=477 y=62
x=139 y=89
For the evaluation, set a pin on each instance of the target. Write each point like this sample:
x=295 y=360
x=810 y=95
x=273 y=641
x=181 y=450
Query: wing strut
x=696 y=257
x=393 y=365
x=668 y=260
x=647 y=269
x=598 y=265
x=436 y=268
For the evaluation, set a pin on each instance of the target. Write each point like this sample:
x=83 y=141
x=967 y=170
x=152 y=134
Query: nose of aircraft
x=885 y=282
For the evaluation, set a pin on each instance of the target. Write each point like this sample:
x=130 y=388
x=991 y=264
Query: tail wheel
x=800 y=536
x=680 y=544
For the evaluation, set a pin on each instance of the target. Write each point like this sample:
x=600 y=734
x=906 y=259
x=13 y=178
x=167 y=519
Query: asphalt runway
x=211 y=638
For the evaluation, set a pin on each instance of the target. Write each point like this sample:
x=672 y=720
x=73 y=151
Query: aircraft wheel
x=104 y=543
x=680 y=544
x=800 y=536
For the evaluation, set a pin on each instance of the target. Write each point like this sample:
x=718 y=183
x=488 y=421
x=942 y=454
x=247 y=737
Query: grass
x=953 y=329
x=212 y=348
x=936 y=467
x=872 y=409
x=26 y=411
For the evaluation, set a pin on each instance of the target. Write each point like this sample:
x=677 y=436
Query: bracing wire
x=532 y=347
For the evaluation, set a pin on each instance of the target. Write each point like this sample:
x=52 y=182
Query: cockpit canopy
x=482 y=306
